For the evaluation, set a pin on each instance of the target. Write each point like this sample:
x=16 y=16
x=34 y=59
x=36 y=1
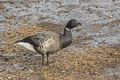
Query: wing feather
x=46 y=41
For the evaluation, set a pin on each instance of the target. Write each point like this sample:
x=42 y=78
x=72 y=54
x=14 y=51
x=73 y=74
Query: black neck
x=67 y=32
x=66 y=38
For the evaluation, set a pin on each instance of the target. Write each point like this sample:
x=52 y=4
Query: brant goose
x=49 y=42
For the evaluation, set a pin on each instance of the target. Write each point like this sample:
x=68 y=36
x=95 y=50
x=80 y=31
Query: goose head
x=72 y=24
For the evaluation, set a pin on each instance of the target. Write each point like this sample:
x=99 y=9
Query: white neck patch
x=67 y=29
x=27 y=46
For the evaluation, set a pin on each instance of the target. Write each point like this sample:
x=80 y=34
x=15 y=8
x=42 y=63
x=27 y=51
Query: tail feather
x=17 y=42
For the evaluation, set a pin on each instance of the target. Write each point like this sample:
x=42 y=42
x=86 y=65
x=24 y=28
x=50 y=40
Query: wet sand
x=82 y=62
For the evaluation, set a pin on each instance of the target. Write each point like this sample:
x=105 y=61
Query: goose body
x=49 y=42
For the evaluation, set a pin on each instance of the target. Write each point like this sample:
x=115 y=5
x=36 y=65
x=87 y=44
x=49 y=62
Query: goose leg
x=47 y=59
x=42 y=59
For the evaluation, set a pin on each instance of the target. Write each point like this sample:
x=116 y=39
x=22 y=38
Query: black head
x=72 y=23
